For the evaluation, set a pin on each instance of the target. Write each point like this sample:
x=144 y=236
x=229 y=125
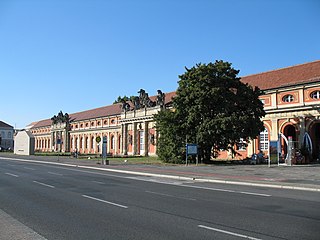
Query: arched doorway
x=315 y=137
x=289 y=131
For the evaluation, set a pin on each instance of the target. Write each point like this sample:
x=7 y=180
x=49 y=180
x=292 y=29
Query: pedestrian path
x=12 y=229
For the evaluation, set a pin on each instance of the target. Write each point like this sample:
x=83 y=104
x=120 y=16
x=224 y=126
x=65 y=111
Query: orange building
x=291 y=100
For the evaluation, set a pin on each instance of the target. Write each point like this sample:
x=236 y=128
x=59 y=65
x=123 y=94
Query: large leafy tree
x=212 y=108
x=170 y=144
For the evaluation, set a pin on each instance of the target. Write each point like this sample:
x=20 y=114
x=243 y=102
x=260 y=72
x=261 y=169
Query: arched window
x=92 y=142
x=81 y=140
x=264 y=140
x=87 y=142
x=112 y=142
x=288 y=98
x=315 y=94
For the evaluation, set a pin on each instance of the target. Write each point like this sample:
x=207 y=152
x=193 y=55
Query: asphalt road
x=59 y=202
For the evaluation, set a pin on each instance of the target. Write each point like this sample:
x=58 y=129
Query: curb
x=173 y=176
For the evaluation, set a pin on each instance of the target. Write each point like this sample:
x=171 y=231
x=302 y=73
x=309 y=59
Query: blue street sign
x=192 y=149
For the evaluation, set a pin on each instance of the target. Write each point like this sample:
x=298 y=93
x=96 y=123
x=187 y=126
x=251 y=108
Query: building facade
x=6 y=136
x=291 y=98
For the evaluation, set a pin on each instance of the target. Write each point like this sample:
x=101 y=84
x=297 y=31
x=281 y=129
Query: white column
x=146 y=138
x=89 y=143
x=78 y=142
x=116 y=143
x=125 y=139
x=134 y=139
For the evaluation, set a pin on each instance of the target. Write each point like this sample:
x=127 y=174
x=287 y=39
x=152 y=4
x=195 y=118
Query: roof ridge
x=5 y=125
x=94 y=108
x=279 y=69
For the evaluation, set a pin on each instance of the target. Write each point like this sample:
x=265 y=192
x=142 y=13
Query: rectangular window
x=142 y=141
x=264 y=140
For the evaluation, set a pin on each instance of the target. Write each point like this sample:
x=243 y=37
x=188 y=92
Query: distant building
x=291 y=100
x=24 y=143
x=6 y=136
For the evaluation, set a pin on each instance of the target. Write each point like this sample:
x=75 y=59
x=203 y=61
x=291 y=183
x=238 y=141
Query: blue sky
x=77 y=55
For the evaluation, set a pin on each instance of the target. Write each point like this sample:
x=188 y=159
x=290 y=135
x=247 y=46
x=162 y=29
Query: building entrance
x=315 y=137
x=289 y=131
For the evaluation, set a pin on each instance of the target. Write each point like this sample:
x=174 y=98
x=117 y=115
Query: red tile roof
x=110 y=110
x=301 y=73
x=41 y=123
x=89 y=114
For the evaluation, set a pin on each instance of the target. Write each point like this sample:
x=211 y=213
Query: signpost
x=191 y=149
x=104 y=151
x=273 y=152
x=59 y=143
x=98 y=140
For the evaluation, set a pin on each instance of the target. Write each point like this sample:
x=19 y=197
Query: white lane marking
x=256 y=194
x=29 y=168
x=11 y=165
x=98 y=182
x=158 y=180
x=231 y=191
x=169 y=195
x=53 y=173
x=104 y=201
x=43 y=184
x=11 y=174
x=139 y=179
x=144 y=179
x=212 y=189
x=227 y=232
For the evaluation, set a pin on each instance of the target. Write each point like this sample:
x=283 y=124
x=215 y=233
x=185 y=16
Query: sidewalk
x=300 y=177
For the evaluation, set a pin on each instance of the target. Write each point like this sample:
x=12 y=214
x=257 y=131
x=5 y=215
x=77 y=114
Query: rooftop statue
x=136 y=102
x=125 y=106
x=160 y=98
x=144 y=99
x=60 y=118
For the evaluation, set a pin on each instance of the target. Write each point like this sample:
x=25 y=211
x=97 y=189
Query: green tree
x=170 y=144
x=119 y=99
x=214 y=109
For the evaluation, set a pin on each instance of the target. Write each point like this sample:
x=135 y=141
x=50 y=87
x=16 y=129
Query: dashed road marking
x=169 y=195
x=104 y=201
x=227 y=232
x=44 y=184
x=11 y=174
